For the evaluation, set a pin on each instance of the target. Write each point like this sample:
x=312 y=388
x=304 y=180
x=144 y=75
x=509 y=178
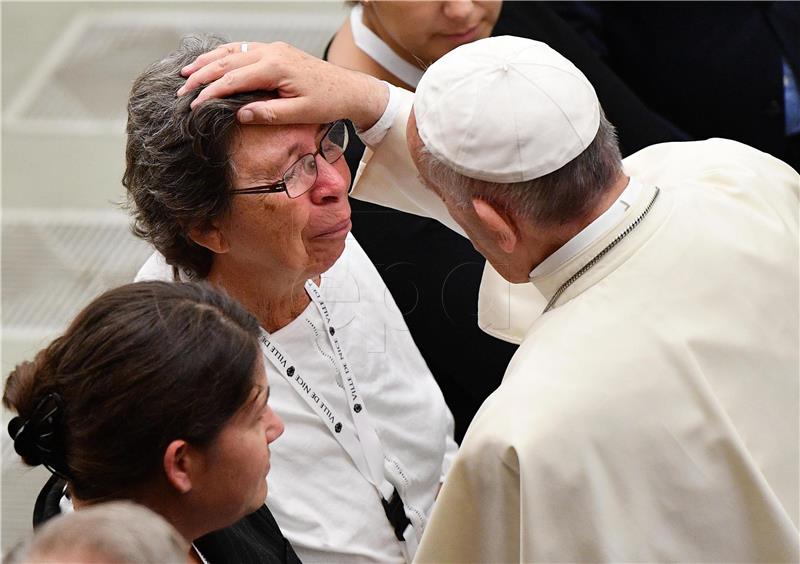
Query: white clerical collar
x=376 y=48
x=591 y=232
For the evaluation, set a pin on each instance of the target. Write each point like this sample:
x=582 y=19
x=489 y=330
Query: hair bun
x=38 y=439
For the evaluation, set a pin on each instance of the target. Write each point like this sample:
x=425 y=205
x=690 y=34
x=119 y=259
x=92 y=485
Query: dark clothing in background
x=714 y=69
x=638 y=126
x=254 y=539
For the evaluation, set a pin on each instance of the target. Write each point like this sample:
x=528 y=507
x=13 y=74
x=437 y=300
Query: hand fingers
x=279 y=111
x=210 y=66
x=220 y=52
x=210 y=57
x=243 y=79
x=214 y=71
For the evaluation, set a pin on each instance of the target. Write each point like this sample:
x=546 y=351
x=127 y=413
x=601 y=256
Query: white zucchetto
x=505 y=109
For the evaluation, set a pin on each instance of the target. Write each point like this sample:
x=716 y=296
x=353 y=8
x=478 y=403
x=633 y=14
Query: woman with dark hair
x=157 y=393
x=263 y=213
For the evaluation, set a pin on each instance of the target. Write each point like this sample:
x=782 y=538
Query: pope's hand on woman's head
x=309 y=90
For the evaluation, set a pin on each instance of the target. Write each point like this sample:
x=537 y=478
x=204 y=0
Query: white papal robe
x=652 y=414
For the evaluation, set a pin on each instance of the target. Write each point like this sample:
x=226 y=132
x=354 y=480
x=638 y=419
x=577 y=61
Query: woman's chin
x=260 y=497
x=326 y=260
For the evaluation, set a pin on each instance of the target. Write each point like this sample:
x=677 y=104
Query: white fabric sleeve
x=450 y=446
x=155 y=268
x=476 y=517
x=387 y=176
x=375 y=134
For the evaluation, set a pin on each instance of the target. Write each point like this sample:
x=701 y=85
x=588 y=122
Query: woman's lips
x=341 y=229
x=464 y=37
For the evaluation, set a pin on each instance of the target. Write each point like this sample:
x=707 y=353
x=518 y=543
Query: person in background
x=157 y=393
x=433 y=273
x=262 y=212
x=644 y=415
x=714 y=69
x=118 y=531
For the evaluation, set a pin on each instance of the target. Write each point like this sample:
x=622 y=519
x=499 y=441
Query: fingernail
x=246 y=116
x=180 y=91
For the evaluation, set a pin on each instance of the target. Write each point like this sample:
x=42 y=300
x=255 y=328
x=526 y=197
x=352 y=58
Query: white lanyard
x=377 y=49
x=363 y=446
x=200 y=554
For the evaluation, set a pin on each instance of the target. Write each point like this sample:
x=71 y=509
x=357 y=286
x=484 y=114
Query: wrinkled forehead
x=265 y=149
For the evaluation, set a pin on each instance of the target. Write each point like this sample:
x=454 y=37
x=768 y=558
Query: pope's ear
x=209 y=236
x=179 y=464
x=499 y=225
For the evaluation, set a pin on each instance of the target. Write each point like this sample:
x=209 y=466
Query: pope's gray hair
x=562 y=196
x=118 y=531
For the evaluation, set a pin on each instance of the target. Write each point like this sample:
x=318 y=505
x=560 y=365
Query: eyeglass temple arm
x=261 y=189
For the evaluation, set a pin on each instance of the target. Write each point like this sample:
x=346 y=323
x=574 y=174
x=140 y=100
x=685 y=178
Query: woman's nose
x=274 y=428
x=457 y=10
x=333 y=180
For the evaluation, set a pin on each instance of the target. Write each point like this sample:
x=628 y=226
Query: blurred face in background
x=421 y=32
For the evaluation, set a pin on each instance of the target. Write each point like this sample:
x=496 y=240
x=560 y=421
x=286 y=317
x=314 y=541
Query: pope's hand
x=309 y=90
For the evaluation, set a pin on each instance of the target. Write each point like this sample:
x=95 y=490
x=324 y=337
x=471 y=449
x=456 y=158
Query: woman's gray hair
x=178 y=168
x=118 y=531
x=563 y=196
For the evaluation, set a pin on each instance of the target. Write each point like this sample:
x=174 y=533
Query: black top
x=638 y=126
x=714 y=69
x=253 y=539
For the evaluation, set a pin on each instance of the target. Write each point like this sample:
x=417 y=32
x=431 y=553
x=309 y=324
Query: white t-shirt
x=325 y=507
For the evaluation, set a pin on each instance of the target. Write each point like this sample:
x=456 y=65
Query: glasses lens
x=335 y=142
x=301 y=176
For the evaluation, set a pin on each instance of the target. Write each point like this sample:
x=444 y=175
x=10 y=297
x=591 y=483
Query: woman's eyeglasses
x=302 y=174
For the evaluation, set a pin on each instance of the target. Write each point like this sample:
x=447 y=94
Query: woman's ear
x=211 y=237
x=180 y=464
x=501 y=228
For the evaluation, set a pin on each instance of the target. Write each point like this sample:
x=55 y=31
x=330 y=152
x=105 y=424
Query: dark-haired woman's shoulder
x=256 y=538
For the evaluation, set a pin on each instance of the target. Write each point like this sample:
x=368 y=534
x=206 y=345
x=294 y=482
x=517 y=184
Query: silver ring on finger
x=244 y=46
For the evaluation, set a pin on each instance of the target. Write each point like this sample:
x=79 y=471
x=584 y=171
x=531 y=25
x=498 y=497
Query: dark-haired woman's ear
x=210 y=237
x=179 y=465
